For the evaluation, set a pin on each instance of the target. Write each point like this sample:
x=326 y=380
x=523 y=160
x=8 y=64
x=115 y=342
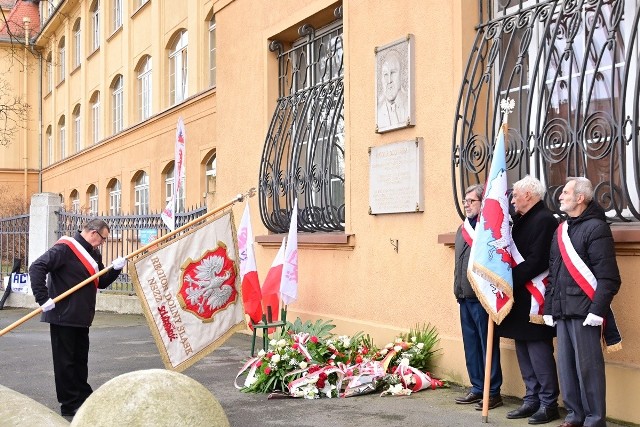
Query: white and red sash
x=468 y=232
x=536 y=288
x=89 y=263
x=579 y=271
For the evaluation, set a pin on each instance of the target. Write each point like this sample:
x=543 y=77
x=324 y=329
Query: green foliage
x=422 y=358
x=320 y=329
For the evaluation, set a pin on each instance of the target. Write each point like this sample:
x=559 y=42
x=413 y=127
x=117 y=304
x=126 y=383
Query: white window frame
x=117 y=14
x=75 y=202
x=118 y=104
x=93 y=201
x=49 y=73
x=145 y=89
x=212 y=52
x=178 y=69
x=211 y=174
x=50 y=145
x=141 y=194
x=62 y=55
x=95 y=26
x=77 y=45
x=63 y=139
x=115 y=198
x=95 y=119
x=77 y=140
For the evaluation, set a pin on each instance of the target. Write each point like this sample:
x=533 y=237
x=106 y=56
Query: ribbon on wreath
x=416 y=380
x=312 y=377
x=251 y=365
x=300 y=341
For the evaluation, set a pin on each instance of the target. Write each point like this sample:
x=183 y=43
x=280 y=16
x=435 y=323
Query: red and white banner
x=251 y=295
x=289 y=283
x=271 y=286
x=168 y=215
x=189 y=292
x=536 y=287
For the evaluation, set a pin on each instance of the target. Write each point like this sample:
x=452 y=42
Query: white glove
x=592 y=320
x=118 y=263
x=48 y=305
x=548 y=320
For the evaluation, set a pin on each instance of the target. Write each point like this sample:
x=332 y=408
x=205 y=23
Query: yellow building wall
x=363 y=285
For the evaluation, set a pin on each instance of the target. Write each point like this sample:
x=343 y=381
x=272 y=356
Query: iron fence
x=14 y=242
x=128 y=233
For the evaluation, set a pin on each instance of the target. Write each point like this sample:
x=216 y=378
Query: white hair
x=532 y=185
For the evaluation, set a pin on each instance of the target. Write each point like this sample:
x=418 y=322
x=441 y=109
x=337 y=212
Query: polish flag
x=289 y=283
x=251 y=296
x=271 y=286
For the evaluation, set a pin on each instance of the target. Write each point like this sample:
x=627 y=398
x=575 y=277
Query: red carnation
x=267 y=370
x=358 y=359
x=314 y=339
x=320 y=383
x=259 y=363
x=294 y=346
x=269 y=355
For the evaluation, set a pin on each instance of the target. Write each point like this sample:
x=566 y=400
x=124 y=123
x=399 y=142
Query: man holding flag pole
x=491 y=251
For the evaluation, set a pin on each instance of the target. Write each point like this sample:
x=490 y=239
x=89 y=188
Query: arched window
x=62 y=58
x=212 y=51
x=77 y=141
x=95 y=117
x=210 y=174
x=95 y=24
x=92 y=194
x=50 y=144
x=74 y=201
x=144 y=87
x=178 y=67
x=62 y=132
x=49 y=61
x=77 y=44
x=141 y=193
x=115 y=193
x=117 y=98
x=117 y=14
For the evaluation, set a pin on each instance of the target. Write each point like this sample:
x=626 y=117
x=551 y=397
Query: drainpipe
x=39 y=122
x=26 y=21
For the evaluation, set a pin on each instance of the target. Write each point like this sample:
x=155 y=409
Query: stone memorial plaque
x=395 y=177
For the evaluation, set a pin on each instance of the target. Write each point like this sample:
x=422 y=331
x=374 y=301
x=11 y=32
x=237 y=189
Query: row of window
x=177 y=79
x=140 y=187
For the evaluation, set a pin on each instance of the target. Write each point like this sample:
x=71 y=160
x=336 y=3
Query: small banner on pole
x=189 y=290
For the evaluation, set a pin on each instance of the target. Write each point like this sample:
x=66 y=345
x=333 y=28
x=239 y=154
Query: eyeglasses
x=104 y=239
x=469 y=201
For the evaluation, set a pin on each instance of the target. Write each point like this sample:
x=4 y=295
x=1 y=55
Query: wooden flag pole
x=487 y=373
x=238 y=198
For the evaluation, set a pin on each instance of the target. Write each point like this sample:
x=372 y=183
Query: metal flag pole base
x=239 y=198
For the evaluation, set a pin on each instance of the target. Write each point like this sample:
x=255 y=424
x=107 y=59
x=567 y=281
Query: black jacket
x=461 y=285
x=65 y=271
x=532 y=234
x=593 y=241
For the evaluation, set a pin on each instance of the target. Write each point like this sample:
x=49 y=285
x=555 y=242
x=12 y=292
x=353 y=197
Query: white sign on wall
x=396 y=177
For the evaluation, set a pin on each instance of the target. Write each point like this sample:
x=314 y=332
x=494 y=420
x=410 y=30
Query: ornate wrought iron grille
x=14 y=242
x=572 y=68
x=303 y=154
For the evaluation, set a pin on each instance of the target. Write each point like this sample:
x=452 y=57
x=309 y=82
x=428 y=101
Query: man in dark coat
x=533 y=229
x=584 y=241
x=474 y=319
x=69 y=262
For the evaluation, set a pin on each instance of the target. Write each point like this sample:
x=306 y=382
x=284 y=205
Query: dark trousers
x=475 y=321
x=538 y=369
x=70 y=348
x=582 y=376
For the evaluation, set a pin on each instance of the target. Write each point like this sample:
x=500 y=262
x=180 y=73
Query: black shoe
x=469 y=398
x=544 y=415
x=494 y=402
x=524 y=411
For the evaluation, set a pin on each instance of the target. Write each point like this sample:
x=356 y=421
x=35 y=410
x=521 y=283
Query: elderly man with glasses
x=474 y=319
x=69 y=262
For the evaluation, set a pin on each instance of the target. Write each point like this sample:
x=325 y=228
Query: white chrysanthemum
x=281 y=343
x=286 y=357
x=397 y=348
x=272 y=343
x=262 y=353
x=404 y=362
x=420 y=345
x=346 y=341
x=413 y=339
x=384 y=351
x=303 y=365
x=275 y=358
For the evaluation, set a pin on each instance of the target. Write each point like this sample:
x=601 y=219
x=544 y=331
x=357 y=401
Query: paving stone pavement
x=123 y=343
